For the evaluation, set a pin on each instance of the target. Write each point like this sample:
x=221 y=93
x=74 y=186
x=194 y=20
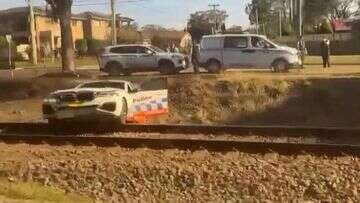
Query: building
x=15 y=21
x=87 y=25
x=98 y=25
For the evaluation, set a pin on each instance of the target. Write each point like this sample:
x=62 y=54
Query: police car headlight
x=50 y=100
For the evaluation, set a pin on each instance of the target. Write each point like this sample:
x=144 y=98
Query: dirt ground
x=120 y=174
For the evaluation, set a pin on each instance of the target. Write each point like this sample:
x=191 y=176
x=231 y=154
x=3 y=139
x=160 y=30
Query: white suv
x=127 y=59
x=220 y=52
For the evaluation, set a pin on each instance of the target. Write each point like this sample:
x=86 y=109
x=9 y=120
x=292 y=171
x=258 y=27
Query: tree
x=61 y=9
x=202 y=22
x=342 y=9
x=263 y=8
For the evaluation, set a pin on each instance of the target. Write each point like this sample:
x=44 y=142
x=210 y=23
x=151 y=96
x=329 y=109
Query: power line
x=106 y=3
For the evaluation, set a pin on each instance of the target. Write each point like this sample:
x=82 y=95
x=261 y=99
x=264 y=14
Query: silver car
x=220 y=52
x=127 y=59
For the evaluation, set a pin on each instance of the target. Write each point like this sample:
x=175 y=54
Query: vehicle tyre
x=280 y=66
x=114 y=69
x=167 y=68
x=214 y=67
x=126 y=72
x=124 y=112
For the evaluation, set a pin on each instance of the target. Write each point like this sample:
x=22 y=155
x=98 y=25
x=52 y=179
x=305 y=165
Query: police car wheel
x=280 y=66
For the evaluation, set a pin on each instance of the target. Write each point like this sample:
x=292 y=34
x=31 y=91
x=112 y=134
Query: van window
x=236 y=42
x=211 y=43
x=258 y=42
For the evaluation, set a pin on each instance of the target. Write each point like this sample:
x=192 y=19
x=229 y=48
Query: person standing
x=301 y=46
x=325 y=52
x=194 y=57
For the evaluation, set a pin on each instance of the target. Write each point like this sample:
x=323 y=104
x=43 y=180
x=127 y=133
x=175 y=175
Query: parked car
x=228 y=51
x=127 y=59
x=115 y=100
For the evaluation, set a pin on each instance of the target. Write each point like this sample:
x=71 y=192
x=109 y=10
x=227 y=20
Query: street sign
x=8 y=38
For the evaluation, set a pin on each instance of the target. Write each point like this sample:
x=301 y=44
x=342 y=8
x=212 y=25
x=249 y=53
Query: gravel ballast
x=118 y=174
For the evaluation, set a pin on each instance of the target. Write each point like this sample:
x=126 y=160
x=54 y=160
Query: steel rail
x=186 y=144
x=266 y=131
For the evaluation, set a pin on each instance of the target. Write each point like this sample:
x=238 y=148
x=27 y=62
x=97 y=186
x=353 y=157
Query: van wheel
x=123 y=113
x=280 y=66
x=167 y=68
x=214 y=67
x=114 y=69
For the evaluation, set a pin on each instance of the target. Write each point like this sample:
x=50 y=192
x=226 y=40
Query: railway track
x=40 y=133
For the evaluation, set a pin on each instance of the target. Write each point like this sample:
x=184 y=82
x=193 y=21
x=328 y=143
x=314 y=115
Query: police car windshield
x=116 y=85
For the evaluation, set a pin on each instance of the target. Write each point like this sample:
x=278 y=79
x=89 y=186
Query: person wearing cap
x=325 y=52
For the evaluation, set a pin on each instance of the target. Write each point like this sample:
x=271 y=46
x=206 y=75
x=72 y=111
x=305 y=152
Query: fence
x=341 y=43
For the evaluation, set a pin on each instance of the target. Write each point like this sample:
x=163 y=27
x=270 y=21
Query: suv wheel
x=126 y=72
x=167 y=67
x=213 y=67
x=114 y=69
x=280 y=66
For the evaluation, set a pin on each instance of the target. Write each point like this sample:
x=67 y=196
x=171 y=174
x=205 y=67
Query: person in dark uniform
x=325 y=52
x=301 y=46
x=194 y=57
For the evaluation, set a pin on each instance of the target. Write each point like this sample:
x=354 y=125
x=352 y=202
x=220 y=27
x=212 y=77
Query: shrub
x=81 y=47
x=163 y=42
x=128 y=36
x=325 y=27
x=95 y=45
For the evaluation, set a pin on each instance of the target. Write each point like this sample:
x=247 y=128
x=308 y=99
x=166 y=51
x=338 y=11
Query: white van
x=229 y=51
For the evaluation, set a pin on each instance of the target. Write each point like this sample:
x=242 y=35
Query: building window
x=97 y=23
x=74 y=23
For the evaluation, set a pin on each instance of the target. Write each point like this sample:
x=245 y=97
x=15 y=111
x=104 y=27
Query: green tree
x=202 y=22
x=61 y=9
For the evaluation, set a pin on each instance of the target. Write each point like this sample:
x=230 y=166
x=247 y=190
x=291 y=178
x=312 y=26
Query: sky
x=167 y=13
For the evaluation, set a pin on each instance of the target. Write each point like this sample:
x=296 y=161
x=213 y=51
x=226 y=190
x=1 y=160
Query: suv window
x=124 y=50
x=142 y=50
x=236 y=42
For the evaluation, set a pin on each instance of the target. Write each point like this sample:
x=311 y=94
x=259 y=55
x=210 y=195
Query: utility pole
x=257 y=20
x=214 y=6
x=300 y=18
x=113 y=31
x=280 y=23
x=32 y=33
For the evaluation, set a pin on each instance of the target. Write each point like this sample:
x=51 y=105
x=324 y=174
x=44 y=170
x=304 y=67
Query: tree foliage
x=202 y=22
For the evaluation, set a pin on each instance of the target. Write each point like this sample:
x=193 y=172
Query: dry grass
x=34 y=193
x=336 y=60
x=48 y=63
x=269 y=101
